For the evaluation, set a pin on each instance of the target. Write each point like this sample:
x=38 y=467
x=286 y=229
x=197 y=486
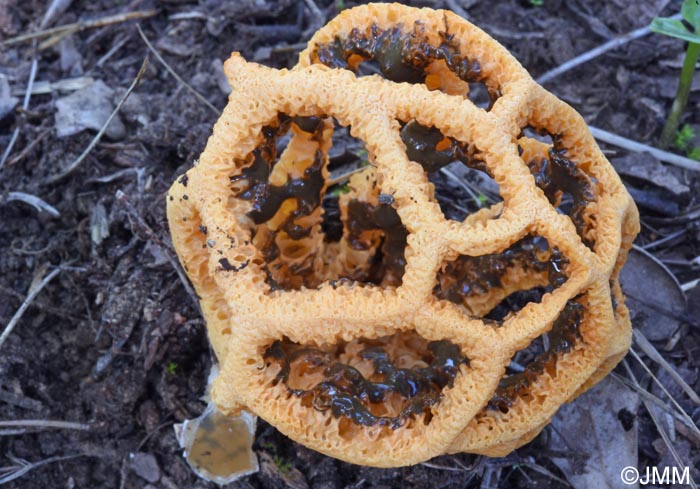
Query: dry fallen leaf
x=601 y=427
x=653 y=295
x=88 y=108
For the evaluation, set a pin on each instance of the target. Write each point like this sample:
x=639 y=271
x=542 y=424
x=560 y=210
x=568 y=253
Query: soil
x=116 y=341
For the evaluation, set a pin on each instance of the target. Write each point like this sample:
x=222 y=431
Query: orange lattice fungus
x=403 y=334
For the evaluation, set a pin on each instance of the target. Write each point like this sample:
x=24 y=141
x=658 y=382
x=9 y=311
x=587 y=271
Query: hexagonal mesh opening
x=462 y=183
x=568 y=188
x=285 y=181
x=388 y=382
x=498 y=285
x=402 y=55
x=539 y=357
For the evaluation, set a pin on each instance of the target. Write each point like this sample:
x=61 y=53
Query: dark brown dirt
x=115 y=340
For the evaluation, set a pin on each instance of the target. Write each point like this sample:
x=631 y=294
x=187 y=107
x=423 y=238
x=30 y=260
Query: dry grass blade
x=21 y=467
x=98 y=136
x=678 y=407
x=64 y=85
x=659 y=427
x=25 y=105
x=80 y=26
x=33 y=292
x=172 y=72
x=682 y=417
x=655 y=356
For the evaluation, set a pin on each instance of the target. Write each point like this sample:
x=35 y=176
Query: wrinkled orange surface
x=210 y=222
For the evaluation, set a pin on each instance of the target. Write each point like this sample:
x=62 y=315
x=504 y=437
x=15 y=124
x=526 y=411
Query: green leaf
x=691 y=12
x=342 y=189
x=673 y=28
x=684 y=137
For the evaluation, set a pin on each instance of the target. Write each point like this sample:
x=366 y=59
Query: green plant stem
x=686 y=80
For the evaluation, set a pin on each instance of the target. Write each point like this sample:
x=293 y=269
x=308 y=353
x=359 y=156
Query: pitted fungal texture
x=367 y=386
x=562 y=339
x=560 y=177
x=400 y=55
x=469 y=277
x=389 y=342
x=295 y=205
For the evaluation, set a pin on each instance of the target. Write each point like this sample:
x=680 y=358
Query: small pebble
x=145 y=466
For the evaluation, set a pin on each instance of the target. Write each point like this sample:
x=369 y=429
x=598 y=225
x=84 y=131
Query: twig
x=289 y=48
x=22 y=466
x=123 y=472
x=344 y=173
x=319 y=19
x=458 y=9
x=508 y=34
x=32 y=200
x=315 y=10
x=199 y=96
x=615 y=140
x=188 y=16
x=20 y=400
x=116 y=47
x=80 y=26
x=151 y=433
x=690 y=285
x=665 y=239
x=121 y=173
x=57 y=7
x=594 y=53
x=98 y=136
x=33 y=292
x=29 y=147
x=45 y=423
x=25 y=105
x=121 y=198
x=463 y=185
x=440 y=467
